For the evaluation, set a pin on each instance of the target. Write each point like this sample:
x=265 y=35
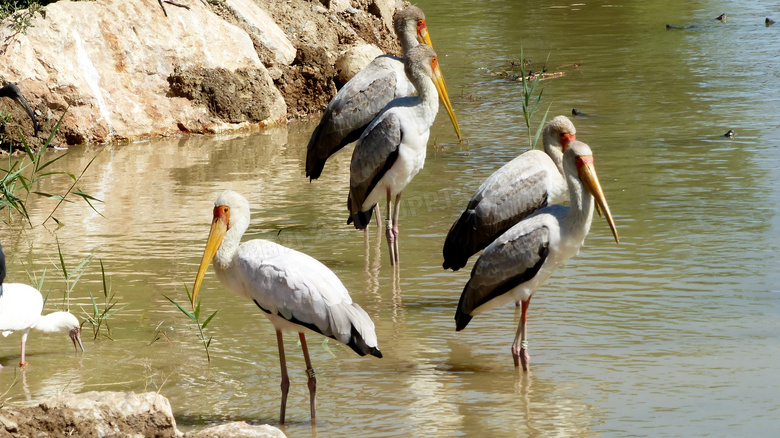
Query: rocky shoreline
x=113 y=414
x=124 y=70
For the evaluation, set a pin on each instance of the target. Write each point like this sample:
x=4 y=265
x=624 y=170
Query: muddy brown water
x=674 y=332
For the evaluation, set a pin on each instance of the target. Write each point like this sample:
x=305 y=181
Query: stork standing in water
x=392 y=149
x=15 y=93
x=360 y=100
x=531 y=181
x=295 y=291
x=20 y=311
x=514 y=266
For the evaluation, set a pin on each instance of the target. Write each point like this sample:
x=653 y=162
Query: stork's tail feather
x=359 y=346
x=462 y=315
x=314 y=164
x=361 y=218
x=458 y=246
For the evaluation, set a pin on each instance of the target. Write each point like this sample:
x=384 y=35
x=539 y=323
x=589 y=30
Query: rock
x=113 y=414
x=337 y=5
x=109 y=63
x=98 y=414
x=385 y=10
x=243 y=95
x=113 y=65
x=354 y=60
x=238 y=430
x=263 y=28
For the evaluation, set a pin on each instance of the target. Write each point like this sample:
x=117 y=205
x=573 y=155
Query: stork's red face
x=587 y=173
x=422 y=33
x=219 y=226
x=566 y=139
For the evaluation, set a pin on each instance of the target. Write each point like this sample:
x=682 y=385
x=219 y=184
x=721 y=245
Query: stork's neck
x=581 y=208
x=408 y=38
x=428 y=105
x=555 y=152
x=228 y=249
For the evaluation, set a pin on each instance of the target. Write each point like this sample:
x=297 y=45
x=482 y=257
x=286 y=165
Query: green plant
x=22 y=12
x=159 y=334
x=17 y=181
x=99 y=317
x=529 y=103
x=72 y=277
x=194 y=316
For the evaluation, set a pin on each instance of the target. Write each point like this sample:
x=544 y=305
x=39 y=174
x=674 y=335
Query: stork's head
x=558 y=134
x=422 y=60
x=230 y=217
x=411 y=21
x=578 y=159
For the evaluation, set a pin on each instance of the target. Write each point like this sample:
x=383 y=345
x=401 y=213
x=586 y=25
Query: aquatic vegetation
x=194 y=316
x=19 y=178
x=71 y=277
x=99 y=316
x=529 y=103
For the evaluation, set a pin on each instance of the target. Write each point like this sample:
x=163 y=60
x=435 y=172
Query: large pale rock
x=238 y=430
x=384 y=9
x=108 y=62
x=263 y=28
x=354 y=60
x=114 y=413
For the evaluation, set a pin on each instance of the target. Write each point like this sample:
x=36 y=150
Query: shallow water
x=674 y=332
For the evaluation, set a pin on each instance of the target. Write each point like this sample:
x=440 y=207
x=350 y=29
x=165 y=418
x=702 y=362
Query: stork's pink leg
x=395 y=225
x=389 y=229
x=378 y=217
x=24 y=342
x=520 y=349
x=312 y=383
x=285 y=377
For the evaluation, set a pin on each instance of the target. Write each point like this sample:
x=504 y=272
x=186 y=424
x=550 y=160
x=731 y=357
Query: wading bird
x=295 y=291
x=514 y=266
x=392 y=149
x=14 y=93
x=360 y=100
x=531 y=181
x=20 y=311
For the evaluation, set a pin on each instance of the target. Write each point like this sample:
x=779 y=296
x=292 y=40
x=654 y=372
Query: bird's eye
x=225 y=210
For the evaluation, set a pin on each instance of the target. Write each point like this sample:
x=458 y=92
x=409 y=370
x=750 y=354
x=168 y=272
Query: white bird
x=360 y=100
x=392 y=149
x=20 y=311
x=531 y=181
x=295 y=291
x=514 y=266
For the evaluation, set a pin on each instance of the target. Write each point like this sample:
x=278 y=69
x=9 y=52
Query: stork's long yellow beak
x=441 y=87
x=588 y=176
x=216 y=234
x=423 y=37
